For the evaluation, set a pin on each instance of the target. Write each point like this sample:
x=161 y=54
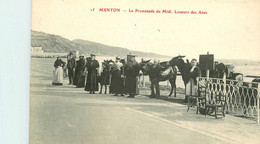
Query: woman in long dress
x=117 y=75
x=58 y=72
x=131 y=71
x=92 y=68
x=191 y=86
x=81 y=75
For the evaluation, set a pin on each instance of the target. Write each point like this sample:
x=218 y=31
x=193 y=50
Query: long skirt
x=112 y=85
x=57 y=78
x=81 y=79
x=92 y=83
x=131 y=85
x=191 y=88
x=75 y=77
x=104 y=78
x=117 y=82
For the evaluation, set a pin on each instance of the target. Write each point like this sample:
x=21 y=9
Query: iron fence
x=242 y=98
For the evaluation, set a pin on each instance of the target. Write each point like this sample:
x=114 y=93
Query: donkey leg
x=157 y=87
x=152 y=89
x=174 y=86
x=171 y=86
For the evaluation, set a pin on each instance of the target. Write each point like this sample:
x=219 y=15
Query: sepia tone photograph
x=144 y=72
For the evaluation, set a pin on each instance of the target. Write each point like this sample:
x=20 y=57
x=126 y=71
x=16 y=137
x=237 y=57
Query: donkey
x=157 y=73
x=183 y=67
x=221 y=69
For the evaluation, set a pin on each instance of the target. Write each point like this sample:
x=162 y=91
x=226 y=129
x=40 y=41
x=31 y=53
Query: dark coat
x=117 y=81
x=81 y=65
x=80 y=74
x=195 y=73
x=71 y=63
x=131 y=72
x=155 y=71
x=92 y=82
x=75 y=78
x=58 y=63
x=105 y=76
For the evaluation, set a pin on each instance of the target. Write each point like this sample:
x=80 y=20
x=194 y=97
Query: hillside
x=57 y=44
x=54 y=43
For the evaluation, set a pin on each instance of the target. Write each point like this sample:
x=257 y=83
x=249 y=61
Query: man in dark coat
x=75 y=78
x=131 y=72
x=71 y=65
x=92 y=68
x=80 y=75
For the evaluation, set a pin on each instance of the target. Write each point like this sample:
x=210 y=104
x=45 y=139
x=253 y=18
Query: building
x=36 y=50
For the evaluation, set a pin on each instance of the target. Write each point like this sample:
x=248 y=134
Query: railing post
x=225 y=82
x=207 y=75
x=197 y=87
x=257 y=104
x=207 y=86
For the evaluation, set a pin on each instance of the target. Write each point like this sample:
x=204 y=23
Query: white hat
x=81 y=55
x=131 y=55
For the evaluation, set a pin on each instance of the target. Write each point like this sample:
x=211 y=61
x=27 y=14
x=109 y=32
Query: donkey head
x=220 y=69
x=176 y=60
x=144 y=66
x=183 y=67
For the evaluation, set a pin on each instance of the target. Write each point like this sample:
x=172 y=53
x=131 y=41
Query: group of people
x=121 y=76
x=82 y=68
x=124 y=76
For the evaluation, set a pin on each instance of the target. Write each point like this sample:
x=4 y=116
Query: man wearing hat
x=131 y=72
x=92 y=68
x=71 y=65
x=117 y=74
x=76 y=74
x=80 y=75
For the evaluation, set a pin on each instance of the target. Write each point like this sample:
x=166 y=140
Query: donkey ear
x=148 y=60
x=142 y=60
x=180 y=57
x=187 y=61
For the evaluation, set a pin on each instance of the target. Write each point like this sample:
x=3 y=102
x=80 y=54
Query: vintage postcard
x=144 y=72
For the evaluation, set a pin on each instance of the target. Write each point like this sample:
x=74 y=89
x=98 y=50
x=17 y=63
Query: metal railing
x=242 y=97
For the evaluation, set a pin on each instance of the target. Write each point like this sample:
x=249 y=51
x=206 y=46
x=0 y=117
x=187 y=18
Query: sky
x=229 y=30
